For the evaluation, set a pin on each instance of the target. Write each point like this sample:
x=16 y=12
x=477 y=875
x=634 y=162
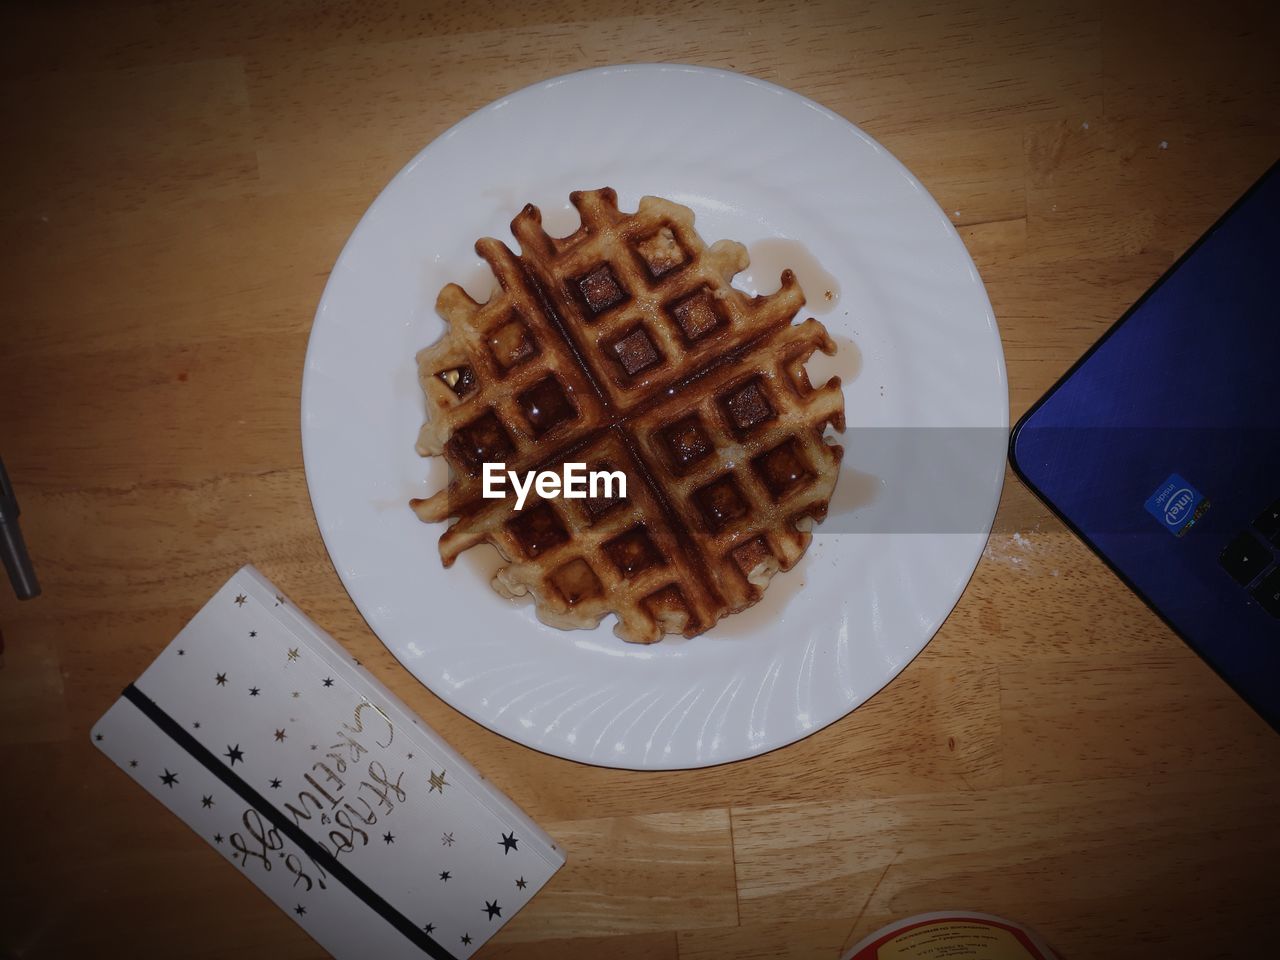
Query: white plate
x=755 y=162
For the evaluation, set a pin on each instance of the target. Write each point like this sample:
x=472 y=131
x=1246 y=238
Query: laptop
x=1160 y=448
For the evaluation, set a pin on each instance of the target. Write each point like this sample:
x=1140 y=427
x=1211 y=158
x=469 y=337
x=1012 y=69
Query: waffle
x=624 y=347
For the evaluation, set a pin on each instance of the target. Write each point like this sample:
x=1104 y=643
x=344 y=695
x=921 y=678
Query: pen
x=16 y=560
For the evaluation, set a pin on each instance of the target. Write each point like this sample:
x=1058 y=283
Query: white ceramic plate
x=919 y=348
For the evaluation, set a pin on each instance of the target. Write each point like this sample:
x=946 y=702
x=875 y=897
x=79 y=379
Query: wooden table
x=180 y=178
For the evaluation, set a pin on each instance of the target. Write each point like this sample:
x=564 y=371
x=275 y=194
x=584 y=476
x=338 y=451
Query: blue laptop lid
x=1161 y=446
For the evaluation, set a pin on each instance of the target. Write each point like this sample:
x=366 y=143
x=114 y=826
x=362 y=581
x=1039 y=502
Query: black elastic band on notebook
x=278 y=820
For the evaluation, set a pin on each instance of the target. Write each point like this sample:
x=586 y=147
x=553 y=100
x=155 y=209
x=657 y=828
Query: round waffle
x=623 y=346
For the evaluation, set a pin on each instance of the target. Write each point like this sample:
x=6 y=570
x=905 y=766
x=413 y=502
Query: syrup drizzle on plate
x=770 y=257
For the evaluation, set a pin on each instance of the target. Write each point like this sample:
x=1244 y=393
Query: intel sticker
x=1177 y=505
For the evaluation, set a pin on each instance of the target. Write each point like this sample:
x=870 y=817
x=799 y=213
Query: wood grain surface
x=179 y=178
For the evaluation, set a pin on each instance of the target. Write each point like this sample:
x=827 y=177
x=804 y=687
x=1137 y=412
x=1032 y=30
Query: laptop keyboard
x=1267 y=593
x=1249 y=557
x=1268 y=523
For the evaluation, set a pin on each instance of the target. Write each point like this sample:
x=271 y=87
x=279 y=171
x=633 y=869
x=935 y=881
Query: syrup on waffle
x=624 y=346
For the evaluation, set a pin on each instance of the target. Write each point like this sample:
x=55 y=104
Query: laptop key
x=1267 y=593
x=1268 y=523
x=1245 y=557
